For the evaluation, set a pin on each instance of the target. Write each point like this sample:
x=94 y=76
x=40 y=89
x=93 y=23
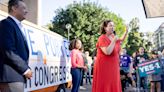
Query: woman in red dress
x=106 y=77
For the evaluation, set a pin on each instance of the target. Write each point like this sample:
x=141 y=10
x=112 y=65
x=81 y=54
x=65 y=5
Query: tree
x=147 y=40
x=134 y=38
x=85 y=18
x=138 y=39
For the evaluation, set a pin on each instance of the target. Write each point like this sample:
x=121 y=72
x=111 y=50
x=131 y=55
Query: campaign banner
x=49 y=59
x=149 y=67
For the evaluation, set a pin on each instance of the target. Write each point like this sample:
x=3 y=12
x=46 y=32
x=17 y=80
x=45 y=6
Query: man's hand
x=28 y=74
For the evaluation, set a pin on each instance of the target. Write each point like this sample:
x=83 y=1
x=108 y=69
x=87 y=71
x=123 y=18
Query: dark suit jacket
x=14 y=52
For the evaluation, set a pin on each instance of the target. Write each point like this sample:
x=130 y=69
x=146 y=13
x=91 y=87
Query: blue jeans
x=76 y=78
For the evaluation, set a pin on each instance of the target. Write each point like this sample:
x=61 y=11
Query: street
x=88 y=88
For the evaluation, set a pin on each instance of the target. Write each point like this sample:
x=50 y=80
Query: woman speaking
x=106 y=77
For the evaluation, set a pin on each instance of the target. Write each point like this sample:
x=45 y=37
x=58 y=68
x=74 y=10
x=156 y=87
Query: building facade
x=158 y=37
x=34 y=9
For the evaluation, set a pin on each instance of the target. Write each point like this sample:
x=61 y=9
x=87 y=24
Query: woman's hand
x=109 y=49
x=115 y=38
x=125 y=34
x=126 y=29
x=79 y=66
x=85 y=68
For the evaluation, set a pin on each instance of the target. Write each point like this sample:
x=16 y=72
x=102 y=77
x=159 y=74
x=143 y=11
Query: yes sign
x=149 y=67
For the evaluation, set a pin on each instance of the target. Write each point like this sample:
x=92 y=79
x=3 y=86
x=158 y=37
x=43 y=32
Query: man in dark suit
x=14 y=52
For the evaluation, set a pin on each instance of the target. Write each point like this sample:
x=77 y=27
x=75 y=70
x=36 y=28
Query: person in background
x=133 y=67
x=155 y=79
x=14 y=52
x=125 y=66
x=133 y=57
x=89 y=65
x=140 y=58
x=162 y=67
x=125 y=61
x=106 y=76
x=86 y=65
x=77 y=62
x=94 y=60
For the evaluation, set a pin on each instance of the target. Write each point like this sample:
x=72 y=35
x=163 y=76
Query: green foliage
x=136 y=39
x=85 y=19
x=147 y=44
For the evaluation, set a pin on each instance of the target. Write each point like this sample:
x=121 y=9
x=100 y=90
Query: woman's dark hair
x=12 y=3
x=82 y=48
x=73 y=44
x=104 y=24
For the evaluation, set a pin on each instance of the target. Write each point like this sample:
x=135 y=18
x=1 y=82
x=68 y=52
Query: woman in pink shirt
x=77 y=64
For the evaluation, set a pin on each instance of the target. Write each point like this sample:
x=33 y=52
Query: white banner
x=49 y=57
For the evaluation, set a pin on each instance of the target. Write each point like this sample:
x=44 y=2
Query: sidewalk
x=134 y=89
x=88 y=88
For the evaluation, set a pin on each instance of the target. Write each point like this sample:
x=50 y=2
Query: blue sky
x=127 y=9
